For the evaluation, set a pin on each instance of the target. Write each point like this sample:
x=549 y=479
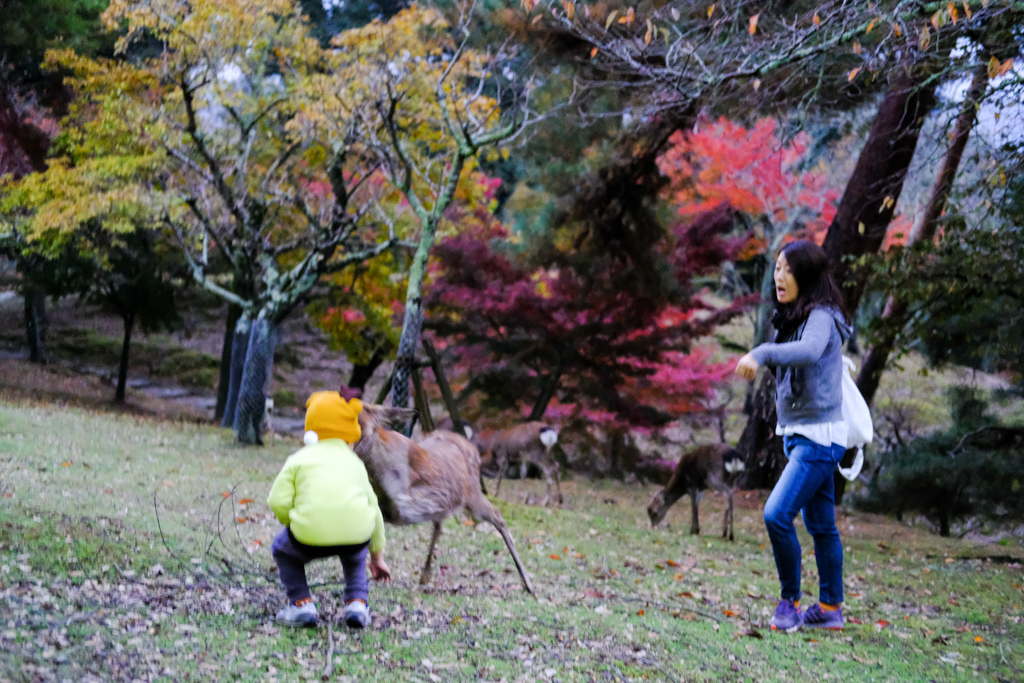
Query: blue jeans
x=806 y=485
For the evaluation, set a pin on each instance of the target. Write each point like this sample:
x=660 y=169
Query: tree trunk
x=422 y=402
x=866 y=208
x=122 y=370
x=446 y=390
x=239 y=349
x=546 y=394
x=896 y=309
x=362 y=372
x=858 y=228
x=412 y=324
x=227 y=346
x=35 y=310
x=252 y=394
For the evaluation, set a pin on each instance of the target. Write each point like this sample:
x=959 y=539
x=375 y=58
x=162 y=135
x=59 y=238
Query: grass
x=122 y=558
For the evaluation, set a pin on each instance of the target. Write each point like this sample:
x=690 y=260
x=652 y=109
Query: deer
x=715 y=466
x=525 y=443
x=425 y=481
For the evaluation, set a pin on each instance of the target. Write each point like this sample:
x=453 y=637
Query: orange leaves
x=649 y=34
x=245 y=501
x=569 y=7
x=748 y=168
x=554 y=556
x=752 y=26
x=816 y=20
x=67 y=463
x=997 y=68
x=226 y=494
x=593 y=53
x=853 y=74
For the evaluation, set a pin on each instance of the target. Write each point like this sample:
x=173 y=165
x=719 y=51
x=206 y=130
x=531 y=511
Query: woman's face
x=786 y=290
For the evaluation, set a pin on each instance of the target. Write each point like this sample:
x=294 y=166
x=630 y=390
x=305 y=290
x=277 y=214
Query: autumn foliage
x=556 y=333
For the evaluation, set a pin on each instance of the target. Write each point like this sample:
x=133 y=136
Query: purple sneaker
x=815 y=617
x=787 y=617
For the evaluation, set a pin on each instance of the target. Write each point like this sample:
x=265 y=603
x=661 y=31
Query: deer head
x=374 y=416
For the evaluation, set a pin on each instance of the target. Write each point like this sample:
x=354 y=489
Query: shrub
x=973 y=469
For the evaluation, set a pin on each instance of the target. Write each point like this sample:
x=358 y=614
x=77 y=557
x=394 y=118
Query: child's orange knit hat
x=329 y=416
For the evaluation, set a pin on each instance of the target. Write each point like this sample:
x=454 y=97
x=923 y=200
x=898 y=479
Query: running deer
x=425 y=481
x=525 y=443
x=715 y=466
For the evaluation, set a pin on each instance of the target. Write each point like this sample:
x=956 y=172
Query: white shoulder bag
x=860 y=429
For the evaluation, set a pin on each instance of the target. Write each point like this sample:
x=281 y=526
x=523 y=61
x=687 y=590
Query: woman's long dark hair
x=815 y=284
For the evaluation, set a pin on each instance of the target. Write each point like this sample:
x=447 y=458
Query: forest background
x=574 y=209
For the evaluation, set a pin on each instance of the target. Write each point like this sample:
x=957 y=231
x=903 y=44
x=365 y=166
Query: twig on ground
x=330 y=651
x=160 y=527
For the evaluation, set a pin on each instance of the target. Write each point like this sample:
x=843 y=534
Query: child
x=807 y=358
x=324 y=498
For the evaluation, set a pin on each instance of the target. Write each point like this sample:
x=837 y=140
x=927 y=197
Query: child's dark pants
x=292 y=556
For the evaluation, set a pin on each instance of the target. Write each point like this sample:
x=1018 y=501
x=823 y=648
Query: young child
x=324 y=499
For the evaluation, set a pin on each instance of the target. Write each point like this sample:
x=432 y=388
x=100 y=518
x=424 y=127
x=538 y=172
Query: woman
x=807 y=359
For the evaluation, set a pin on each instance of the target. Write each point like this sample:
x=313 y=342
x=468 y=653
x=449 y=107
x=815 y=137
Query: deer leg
x=481 y=508
x=425 y=572
x=727 y=519
x=694 y=520
x=524 y=468
x=732 y=518
x=502 y=465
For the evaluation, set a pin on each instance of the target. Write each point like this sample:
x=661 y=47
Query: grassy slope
x=82 y=597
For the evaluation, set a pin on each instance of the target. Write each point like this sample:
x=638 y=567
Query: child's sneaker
x=816 y=617
x=787 y=617
x=293 y=615
x=357 y=614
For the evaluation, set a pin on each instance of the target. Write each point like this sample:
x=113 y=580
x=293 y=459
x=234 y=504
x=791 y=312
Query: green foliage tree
x=975 y=468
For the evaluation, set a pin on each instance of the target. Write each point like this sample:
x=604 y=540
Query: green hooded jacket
x=323 y=495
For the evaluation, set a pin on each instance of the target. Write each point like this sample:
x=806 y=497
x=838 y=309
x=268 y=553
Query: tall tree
x=896 y=308
x=434 y=117
x=243 y=173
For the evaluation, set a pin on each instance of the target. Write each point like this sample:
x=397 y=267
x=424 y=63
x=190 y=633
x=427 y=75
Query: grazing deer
x=525 y=443
x=425 y=481
x=715 y=466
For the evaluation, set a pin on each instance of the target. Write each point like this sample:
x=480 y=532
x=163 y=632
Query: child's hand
x=379 y=568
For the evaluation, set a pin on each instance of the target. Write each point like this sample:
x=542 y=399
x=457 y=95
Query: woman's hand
x=379 y=568
x=747 y=367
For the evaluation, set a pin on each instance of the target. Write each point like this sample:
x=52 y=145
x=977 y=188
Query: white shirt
x=822 y=433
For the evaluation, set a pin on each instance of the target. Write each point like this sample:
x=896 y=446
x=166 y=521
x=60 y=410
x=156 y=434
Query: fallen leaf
x=752 y=27
x=554 y=557
x=226 y=494
x=593 y=53
x=728 y=613
x=979 y=639
x=640 y=613
x=853 y=74
x=245 y=501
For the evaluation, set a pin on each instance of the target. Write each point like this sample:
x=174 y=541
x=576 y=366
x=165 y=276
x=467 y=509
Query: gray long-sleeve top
x=808 y=388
